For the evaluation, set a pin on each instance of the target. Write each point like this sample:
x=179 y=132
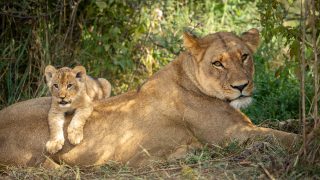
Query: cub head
x=223 y=65
x=65 y=84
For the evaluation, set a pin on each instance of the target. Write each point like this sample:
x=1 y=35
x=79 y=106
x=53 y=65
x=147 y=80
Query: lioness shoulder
x=72 y=91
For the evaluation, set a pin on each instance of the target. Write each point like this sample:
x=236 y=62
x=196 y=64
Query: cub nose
x=240 y=87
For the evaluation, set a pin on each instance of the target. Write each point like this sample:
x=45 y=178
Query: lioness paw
x=75 y=135
x=54 y=146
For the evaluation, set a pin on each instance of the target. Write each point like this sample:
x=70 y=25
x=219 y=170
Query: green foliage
x=276 y=95
x=127 y=41
x=278 y=62
x=123 y=41
x=140 y=37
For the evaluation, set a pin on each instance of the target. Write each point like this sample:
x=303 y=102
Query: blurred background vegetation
x=126 y=41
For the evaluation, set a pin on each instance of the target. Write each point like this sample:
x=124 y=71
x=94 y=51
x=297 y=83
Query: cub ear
x=191 y=43
x=49 y=72
x=80 y=72
x=252 y=39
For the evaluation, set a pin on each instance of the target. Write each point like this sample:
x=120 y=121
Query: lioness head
x=65 y=84
x=224 y=65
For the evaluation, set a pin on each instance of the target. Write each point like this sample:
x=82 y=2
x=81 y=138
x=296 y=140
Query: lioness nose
x=240 y=87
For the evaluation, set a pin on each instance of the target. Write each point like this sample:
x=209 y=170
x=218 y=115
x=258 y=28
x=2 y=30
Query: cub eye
x=56 y=86
x=69 y=86
x=217 y=64
x=244 y=57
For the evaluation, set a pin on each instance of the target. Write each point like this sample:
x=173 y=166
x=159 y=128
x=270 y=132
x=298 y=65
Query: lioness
x=72 y=91
x=189 y=101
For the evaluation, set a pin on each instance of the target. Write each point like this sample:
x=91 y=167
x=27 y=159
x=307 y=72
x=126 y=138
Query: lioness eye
x=69 y=85
x=244 y=57
x=217 y=64
x=56 y=86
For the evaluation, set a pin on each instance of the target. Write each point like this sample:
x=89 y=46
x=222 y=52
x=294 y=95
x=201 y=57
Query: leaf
x=294 y=49
x=101 y=5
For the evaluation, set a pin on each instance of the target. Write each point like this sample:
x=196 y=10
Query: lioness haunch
x=193 y=100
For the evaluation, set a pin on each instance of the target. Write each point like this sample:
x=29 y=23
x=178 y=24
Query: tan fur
x=185 y=104
x=72 y=91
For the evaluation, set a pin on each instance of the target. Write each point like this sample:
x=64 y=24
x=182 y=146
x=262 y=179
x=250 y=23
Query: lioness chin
x=186 y=104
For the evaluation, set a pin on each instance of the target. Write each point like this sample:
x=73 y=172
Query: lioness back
x=72 y=92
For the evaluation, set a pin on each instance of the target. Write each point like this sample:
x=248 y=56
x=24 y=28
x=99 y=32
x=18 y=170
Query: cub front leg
x=56 y=141
x=75 y=128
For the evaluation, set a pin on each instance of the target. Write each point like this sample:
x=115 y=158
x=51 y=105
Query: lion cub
x=72 y=91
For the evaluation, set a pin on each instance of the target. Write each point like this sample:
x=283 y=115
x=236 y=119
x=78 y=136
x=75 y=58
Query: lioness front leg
x=75 y=128
x=56 y=141
x=210 y=128
x=285 y=138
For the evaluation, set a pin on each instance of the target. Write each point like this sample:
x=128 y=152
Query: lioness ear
x=49 y=72
x=251 y=38
x=191 y=43
x=80 y=72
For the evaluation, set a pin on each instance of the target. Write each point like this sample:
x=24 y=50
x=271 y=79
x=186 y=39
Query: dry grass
x=260 y=158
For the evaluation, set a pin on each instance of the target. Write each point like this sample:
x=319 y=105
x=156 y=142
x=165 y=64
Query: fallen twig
x=266 y=172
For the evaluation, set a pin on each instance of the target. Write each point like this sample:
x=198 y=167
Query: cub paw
x=54 y=146
x=75 y=135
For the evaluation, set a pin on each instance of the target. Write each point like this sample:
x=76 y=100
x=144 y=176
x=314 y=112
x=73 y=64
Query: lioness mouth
x=64 y=102
x=242 y=96
x=237 y=98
